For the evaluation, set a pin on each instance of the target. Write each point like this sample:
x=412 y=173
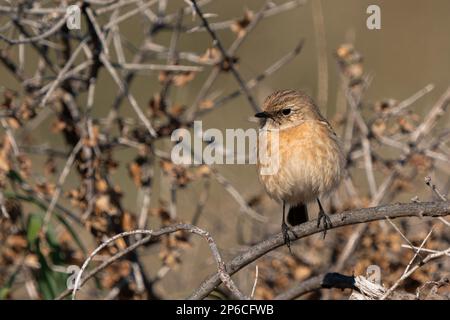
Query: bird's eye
x=286 y=111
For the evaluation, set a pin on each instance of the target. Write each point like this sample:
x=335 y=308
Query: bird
x=311 y=162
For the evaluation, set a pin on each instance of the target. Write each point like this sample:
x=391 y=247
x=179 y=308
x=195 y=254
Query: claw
x=326 y=222
x=287 y=241
x=326 y=219
x=285 y=230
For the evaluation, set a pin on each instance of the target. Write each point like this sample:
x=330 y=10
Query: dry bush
x=48 y=223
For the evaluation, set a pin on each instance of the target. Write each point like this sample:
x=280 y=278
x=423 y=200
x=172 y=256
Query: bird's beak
x=263 y=114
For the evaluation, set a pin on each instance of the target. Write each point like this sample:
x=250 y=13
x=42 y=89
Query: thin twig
x=226 y=58
x=413 y=269
x=224 y=276
x=62 y=178
x=255 y=282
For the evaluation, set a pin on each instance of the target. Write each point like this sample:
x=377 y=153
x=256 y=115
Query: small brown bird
x=311 y=161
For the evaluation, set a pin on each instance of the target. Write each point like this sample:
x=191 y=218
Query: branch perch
x=425 y=209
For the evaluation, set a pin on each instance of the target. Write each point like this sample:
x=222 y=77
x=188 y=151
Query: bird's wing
x=328 y=125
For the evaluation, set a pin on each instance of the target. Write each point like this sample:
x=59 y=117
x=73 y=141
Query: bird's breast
x=310 y=162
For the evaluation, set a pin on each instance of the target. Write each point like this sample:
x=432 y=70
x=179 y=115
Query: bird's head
x=288 y=107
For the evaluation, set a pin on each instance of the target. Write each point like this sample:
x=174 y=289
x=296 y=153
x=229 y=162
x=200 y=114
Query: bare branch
x=224 y=276
x=430 y=209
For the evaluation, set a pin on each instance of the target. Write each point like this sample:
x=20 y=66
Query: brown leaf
x=344 y=51
x=225 y=64
x=32 y=261
x=50 y=166
x=58 y=126
x=8 y=96
x=379 y=127
x=406 y=125
x=128 y=222
x=155 y=105
x=385 y=105
x=101 y=185
x=102 y=203
x=14 y=208
x=302 y=273
x=264 y=293
x=421 y=162
x=24 y=165
x=177 y=110
x=5 y=150
x=212 y=55
x=162 y=213
x=13 y=122
x=206 y=104
x=97 y=225
x=239 y=26
x=203 y=171
x=17 y=242
x=45 y=187
x=182 y=78
x=135 y=171
x=163 y=76
x=166 y=166
x=170 y=258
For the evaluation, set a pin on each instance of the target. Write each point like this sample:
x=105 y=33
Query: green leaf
x=14 y=176
x=4 y=291
x=50 y=282
x=58 y=215
x=33 y=229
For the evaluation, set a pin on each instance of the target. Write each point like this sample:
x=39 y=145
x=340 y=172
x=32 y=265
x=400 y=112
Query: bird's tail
x=297 y=214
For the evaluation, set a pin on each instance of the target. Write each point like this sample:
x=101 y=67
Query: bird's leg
x=285 y=230
x=326 y=219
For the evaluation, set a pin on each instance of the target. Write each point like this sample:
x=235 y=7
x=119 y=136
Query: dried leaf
x=102 y=203
x=239 y=26
x=128 y=222
x=212 y=55
x=302 y=273
x=206 y=104
x=135 y=171
x=183 y=78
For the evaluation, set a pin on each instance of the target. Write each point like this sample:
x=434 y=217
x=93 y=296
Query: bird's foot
x=285 y=231
x=326 y=222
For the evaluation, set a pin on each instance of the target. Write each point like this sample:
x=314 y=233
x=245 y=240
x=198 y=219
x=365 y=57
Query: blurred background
x=409 y=52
